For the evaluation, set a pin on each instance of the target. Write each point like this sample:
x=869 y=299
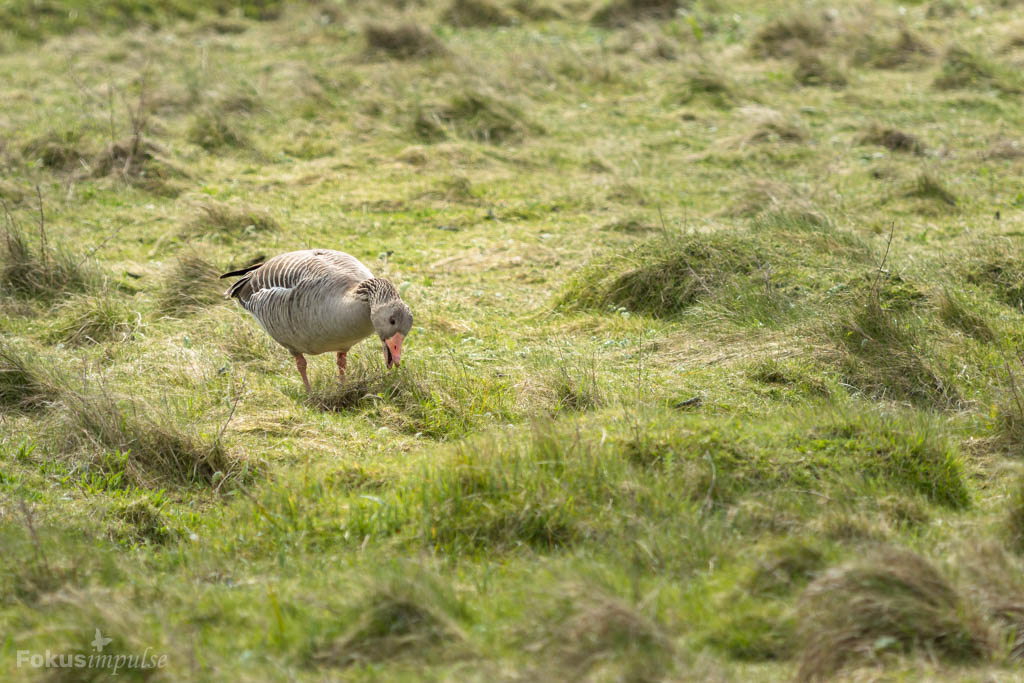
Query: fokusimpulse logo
x=113 y=662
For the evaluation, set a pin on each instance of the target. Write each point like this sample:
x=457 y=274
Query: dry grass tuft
x=928 y=186
x=94 y=319
x=606 y=638
x=1015 y=518
x=620 y=13
x=402 y=41
x=772 y=126
x=885 y=356
x=141 y=163
x=213 y=129
x=812 y=70
x=214 y=218
x=963 y=70
x=141 y=443
x=791 y=35
x=476 y=13
x=955 y=312
x=1005 y=149
x=39 y=270
x=474 y=115
x=892 y=139
x=708 y=84
x=906 y=50
x=25 y=384
x=193 y=283
x=61 y=150
x=894 y=601
x=404 y=613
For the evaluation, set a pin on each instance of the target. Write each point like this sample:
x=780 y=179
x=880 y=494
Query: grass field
x=716 y=371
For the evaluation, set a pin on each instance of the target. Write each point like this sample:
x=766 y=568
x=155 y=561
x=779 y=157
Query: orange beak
x=393 y=350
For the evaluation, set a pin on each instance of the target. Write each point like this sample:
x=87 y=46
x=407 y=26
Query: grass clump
x=1015 y=517
x=885 y=356
x=906 y=50
x=58 y=150
x=446 y=402
x=812 y=70
x=705 y=84
x=600 y=636
x=620 y=13
x=476 y=14
x=663 y=277
x=787 y=36
x=402 y=41
x=24 y=382
x=141 y=163
x=95 y=319
x=406 y=612
x=39 y=270
x=214 y=130
x=192 y=284
x=892 y=139
x=132 y=442
x=955 y=312
x=224 y=219
x=895 y=601
x=929 y=187
x=997 y=267
x=965 y=70
x=474 y=115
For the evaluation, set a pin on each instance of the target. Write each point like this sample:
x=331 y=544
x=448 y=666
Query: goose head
x=392 y=321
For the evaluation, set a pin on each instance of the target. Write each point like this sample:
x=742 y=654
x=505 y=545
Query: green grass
x=715 y=371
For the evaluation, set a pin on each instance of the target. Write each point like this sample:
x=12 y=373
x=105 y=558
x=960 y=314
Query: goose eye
x=392 y=321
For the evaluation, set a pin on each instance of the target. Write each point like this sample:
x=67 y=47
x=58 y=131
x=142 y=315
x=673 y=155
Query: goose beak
x=393 y=350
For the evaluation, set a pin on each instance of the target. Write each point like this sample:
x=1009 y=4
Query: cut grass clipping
x=892 y=602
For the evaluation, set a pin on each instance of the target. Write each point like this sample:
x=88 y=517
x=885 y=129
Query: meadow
x=716 y=371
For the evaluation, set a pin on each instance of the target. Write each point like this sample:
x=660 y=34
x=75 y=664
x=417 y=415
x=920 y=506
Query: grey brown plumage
x=319 y=300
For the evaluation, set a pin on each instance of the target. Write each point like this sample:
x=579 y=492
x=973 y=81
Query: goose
x=319 y=300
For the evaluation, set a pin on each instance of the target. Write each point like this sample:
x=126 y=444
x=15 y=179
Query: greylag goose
x=318 y=300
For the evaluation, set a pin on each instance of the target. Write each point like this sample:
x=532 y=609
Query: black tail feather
x=242 y=271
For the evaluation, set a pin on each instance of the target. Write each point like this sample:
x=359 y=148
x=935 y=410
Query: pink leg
x=300 y=363
x=342 y=362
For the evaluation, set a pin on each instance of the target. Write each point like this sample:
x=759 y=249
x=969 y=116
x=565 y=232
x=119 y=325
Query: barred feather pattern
x=312 y=301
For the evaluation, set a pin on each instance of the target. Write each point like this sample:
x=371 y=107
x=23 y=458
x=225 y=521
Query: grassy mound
x=474 y=115
x=406 y=612
x=963 y=70
x=665 y=276
x=476 y=13
x=892 y=139
x=895 y=601
x=619 y=13
x=787 y=36
x=886 y=356
x=402 y=41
